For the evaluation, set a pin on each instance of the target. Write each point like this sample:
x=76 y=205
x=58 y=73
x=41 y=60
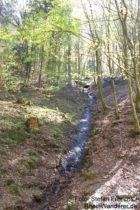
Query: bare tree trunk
x=111 y=70
x=41 y=67
x=139 y=37
x=113 y=86
x=125 y=48
x=99 y=80
x=138 y=66
x=69 y=62
x=28 y=63
x=79 y=63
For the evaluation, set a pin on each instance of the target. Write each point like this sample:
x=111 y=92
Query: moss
x=33 y=161
x=88 y=175
x=88 y=161
x=14 y=133
x=86 y=193
x=14 y=188
x=35 y=130
x=96 y=131
x=3 y=151
x=17 y=135
x=57 y=131
x=2 y=172
x=10 y=181
x=23 y=170
x=31 y=152
x=70 y=117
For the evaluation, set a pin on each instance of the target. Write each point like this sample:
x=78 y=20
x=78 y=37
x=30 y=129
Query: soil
x=112 y=165
x=28 y=159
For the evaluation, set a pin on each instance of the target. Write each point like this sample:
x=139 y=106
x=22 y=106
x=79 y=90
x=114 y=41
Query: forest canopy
x=69 y=104
x=62 y=42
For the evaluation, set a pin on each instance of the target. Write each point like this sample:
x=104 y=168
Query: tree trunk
x=41 y=67
x=123 y=20
x=112 y=73
x=99 y=80
x=115 y=99
x=139 y=37
x=69 y=63
x=136 y=122
x=79 y=63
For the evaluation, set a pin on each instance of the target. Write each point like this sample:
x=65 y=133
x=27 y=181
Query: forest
x=69 y=104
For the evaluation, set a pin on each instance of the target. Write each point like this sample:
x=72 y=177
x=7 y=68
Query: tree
x=123 y=14
x=96 y=46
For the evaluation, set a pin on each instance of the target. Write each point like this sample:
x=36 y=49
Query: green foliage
x=88 y=175
x=31 y=153
x=23 y=170
x=3 y=151
x=32 y=162
x=87 y=193
x=69 y=117
x=42 y=37
x=88 y=161
x=15 y=133
x=57 y=131
x=15 y=188
x=96 y=131
x=2 y=172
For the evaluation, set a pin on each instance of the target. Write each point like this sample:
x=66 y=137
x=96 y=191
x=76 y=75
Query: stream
x=73 y=160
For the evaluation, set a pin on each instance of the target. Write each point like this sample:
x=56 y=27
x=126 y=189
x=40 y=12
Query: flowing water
x=74 y=158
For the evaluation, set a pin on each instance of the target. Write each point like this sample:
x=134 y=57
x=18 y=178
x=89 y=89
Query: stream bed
x=73 y=160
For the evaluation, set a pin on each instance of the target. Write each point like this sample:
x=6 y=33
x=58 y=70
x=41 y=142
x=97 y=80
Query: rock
x=32 y=123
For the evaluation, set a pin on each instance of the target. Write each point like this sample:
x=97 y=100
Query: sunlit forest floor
x=28 y=159
x=112 y=160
